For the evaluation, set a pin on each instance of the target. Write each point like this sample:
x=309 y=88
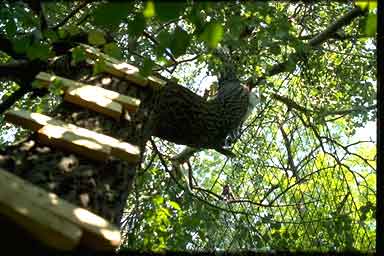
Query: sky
x=368 y=132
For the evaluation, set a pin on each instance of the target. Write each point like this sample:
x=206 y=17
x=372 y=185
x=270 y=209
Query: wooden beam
x=45 y=79
x=16 y=204
x=92 y=97
x=88 y=143
x=122 y=69
x=88 y=98
x=129 y=103
x=53 y=220
x=61 y=137
x=28 y=120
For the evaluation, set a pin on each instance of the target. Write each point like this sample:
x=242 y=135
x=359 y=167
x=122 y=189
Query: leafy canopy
x=302 y=179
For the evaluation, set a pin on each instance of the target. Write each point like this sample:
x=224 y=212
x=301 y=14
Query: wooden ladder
x=54 y=221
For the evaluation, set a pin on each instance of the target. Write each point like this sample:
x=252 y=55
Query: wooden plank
x=126 y=151
x=156 y=81
x=123 y=150
x=64 y=138
x=91 y=144
x=97 y=233
x=81 y=94
x=20 y=202
x=122 y=69
x=129 y=103
x=127 y=71
x=46 y=79
x=88 y=143
x=32 y=121
x=89 y=98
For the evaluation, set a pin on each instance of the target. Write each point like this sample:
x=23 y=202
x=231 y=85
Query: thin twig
x=153 y=40
x=70 y=15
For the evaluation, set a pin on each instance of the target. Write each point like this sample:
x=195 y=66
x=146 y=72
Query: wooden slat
x=86 y=98
x=129 y=103
x=89 y=96
x=154 y=81
x=61 y=137
x=40 y=211
x=91 y=144
x=32 y=121
x=122 y=69
x=22 y=204
x=127 y=71
x=90 y=99
x=46 y=79
x=71 y=137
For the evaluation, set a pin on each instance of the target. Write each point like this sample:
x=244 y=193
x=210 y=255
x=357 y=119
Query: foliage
x=301 y=180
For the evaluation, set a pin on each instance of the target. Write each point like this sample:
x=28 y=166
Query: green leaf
x=73 y=30
x=158 y=200
x=275 y=49
x=51 y=35
x=364 y=5
x=38 y=51
x=37 y=84
x=137 y=25
x=212 y=34
x=21 y=44
x=282 y=34
x=98 y=67
x=113 y=50
x=196 y=18
x=168 y=10
x=56 y=87
x=235 y=27
x=78 y=54
x=180 y=42
x=164 y=39
x=62 y=33
x=290 y=66
x=110 y=15
x=276 y=225
x=175 y=205
x=149 y=10
x=371 y=25
x=146 y=69
x=96 y=38
x=10 y=27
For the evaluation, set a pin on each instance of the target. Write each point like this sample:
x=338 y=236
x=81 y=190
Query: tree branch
x=287 y=144
x=150 y=37
x=6 y=47
x=177 y=63
x=290 y=103
x=35 y=6
x=70 y=15
x=8 y=102
x=332 y=28
x=348 y=111
x=168 y=23
x=336 y=36
x=184 y=155
x=317 y=40
x=23 y=72
x=293 y=105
